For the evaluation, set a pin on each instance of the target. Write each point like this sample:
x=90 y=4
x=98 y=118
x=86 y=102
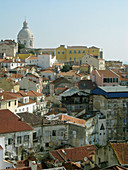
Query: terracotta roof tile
x=48 y=71
x=107 y=73
x=12 y=123
x=121 y=151
x=71 y=119
x=74 y=154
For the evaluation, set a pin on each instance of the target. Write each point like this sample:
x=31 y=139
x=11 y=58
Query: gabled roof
x=31 y=93
x=74 y=154
x=9 y=123
x=107 y=73
x=60 y=80
x=121 y=152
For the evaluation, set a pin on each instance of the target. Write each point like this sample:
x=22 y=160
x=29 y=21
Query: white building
x=17 y=134
x=3 y=163
x=32 y=60
x=10 y=64
x=46 y=60
x=97 y=63
x=25 y=36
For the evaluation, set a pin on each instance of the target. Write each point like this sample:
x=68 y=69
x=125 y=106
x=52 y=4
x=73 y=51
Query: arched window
x=30 y=42
x=24 y=42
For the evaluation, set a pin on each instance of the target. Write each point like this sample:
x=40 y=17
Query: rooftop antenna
x=25 y=18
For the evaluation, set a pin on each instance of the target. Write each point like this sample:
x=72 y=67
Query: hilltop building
x=25 y=36
x=75 y=53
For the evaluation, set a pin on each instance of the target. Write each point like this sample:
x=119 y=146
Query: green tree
x=20 y=46
x=66 y=68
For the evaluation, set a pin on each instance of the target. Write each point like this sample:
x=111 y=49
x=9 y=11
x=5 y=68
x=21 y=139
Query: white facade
x=25 y=36
x=11 y=64
x=97 y=63
x=32 y=60
x=3 y=163
x=26 y=108
x=17 y=140
x=46 y=60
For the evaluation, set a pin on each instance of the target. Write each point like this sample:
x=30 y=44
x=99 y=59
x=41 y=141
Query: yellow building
x=24 y=56
x=8 y=102
x=74 y=53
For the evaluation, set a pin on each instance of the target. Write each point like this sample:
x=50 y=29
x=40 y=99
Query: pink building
x=105 y=77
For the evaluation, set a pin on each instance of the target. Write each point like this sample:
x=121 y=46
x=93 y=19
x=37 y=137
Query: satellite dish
x=85 y=158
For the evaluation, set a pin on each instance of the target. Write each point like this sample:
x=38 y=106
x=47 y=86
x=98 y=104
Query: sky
x=100 y=23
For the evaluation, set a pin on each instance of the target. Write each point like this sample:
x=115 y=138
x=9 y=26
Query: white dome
x=25 y=32
x=25 y=36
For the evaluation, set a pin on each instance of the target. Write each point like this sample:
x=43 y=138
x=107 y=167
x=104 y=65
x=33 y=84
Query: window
x=115 y=80
x=74 y=51
x=74 y=134
x=79 y=52
x=10 y=141
x=74 y=59
x=83 y=51
x=30 y=42
x=54 y=133
x=47 y=133
x=34 y=136
x=47 y=144
x=15 y=102
x=26 y=138
x=63 y=52
x=9 y=103
x=61 y=133
x=107 y=80
x=70 y=59
x=93 y=51
x=58 y=52
x=70 y=52
x=24 y=42
x=18 y=139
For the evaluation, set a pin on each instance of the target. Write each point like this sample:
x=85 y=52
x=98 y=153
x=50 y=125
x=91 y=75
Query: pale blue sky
x=102 y=23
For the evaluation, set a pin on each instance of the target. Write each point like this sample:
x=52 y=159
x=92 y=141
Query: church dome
x=25 y=36
x=25 y=32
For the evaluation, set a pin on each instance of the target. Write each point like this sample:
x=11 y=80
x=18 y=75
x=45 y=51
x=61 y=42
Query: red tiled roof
x=11 y=61
x=121 y=151
x=9 y=123
x=71 y=119
x=48 y=71
x=34 y=93
x=107 y=73
x=74 y=154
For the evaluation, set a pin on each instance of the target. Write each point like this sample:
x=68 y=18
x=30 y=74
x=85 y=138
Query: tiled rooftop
x=9 y=123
